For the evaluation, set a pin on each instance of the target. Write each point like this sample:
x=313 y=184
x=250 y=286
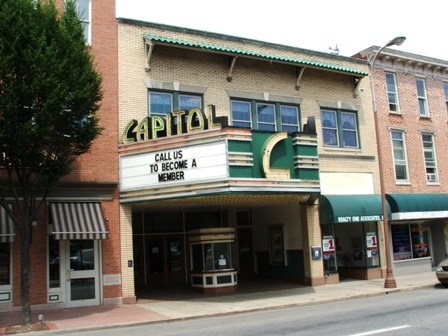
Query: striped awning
x=6 y=227
x=78 y=221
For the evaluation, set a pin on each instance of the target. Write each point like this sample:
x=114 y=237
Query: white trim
x=419 y=215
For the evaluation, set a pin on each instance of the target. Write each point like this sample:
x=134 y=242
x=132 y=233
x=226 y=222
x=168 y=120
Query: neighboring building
x=75 y=253
x=224 y=155
x=412 y=101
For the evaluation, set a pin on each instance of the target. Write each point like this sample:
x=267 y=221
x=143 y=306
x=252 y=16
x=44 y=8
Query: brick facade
x=94 y=176
x=431 y=220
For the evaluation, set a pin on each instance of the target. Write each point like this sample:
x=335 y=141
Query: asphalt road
x=417 y=312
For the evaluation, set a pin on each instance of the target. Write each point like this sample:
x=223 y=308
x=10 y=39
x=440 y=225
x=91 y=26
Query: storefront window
x=5 y=264
x=410 y=241
x=371 y=244
x=329 y=249
x=420 y=241
x=351 y=245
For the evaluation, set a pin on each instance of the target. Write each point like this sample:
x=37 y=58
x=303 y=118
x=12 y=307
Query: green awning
x=351 y=208
x=418 y=206
x=223 y=48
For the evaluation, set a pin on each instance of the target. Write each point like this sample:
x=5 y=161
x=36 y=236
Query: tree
x=50 y=93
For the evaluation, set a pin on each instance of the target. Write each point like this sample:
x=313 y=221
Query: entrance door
x=165 y=259
x=246 y=253
x=82 y=272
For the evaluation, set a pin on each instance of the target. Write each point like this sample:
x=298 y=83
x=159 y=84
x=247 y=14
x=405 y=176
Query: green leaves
x=50 y=91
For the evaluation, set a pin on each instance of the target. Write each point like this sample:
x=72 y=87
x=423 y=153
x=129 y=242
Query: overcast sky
x=316 y=25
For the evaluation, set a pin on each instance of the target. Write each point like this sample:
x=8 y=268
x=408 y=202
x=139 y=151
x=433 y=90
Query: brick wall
x=409 y=121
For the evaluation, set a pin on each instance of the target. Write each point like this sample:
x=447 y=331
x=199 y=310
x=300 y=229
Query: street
x=417 y=312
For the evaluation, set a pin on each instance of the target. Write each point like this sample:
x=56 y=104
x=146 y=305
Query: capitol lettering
x=173 y=123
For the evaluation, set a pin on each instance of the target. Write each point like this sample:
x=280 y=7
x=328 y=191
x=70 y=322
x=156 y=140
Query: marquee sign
x=194 y=163
x=150 y=163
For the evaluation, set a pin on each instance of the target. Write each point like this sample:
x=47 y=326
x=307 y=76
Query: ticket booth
x=212 y=270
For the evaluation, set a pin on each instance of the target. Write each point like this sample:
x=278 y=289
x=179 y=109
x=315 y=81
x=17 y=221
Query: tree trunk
x=25 y=272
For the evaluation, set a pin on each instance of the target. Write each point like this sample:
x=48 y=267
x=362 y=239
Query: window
x=399 y=154
x=5 y=264
x=410 y=241
x=445 y=86
x=430 y=157
x=85 y=16
x=187 y=102
x=392 y=92
x=422 y=101
x=161 y=103
x=53 y=263
x=339 y=129
x=290 y=118
x=211 y=256
x=267 y=116
x=241 y=116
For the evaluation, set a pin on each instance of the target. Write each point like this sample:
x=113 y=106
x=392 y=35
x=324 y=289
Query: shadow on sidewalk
x=176 y=292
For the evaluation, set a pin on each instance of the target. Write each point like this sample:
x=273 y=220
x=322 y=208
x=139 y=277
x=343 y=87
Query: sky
x=318 y=25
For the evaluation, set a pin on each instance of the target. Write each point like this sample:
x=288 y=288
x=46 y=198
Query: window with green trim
x=161 y=103
x=265 y=116
x=339 y=128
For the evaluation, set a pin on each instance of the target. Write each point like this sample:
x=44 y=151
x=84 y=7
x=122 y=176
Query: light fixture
x=35 y=220
x=398 y=41
x=389 y=281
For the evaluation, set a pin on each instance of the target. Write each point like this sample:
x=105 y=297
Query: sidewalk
x=77 y=319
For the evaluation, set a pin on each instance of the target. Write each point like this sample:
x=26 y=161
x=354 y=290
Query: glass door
x=175 y=259
x=165 y=259
x=156 y=261
x=82 y=273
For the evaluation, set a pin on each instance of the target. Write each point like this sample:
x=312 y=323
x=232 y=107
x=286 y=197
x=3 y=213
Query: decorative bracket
x=149 y=46
x=299 y=72
x=232 y=65
x=356 y=81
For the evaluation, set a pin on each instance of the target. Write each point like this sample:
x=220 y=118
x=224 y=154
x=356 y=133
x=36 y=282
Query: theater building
x=233 y=152
x=412 y=95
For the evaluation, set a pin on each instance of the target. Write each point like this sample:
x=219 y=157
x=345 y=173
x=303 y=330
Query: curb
x=217 y=314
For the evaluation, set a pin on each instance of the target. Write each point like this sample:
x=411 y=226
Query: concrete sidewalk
x=77 y=319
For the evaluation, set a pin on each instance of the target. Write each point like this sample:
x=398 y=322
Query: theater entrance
x=159 y=259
